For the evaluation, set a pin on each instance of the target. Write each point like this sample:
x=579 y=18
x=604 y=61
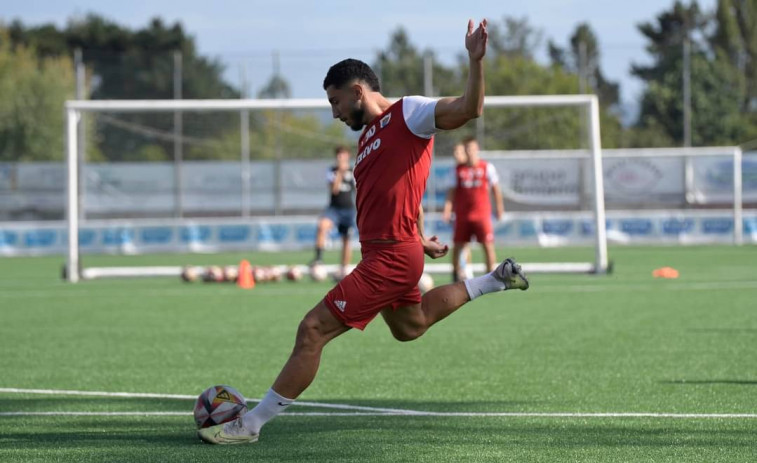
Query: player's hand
x=446 y=216
x=475 y=41
x=433 y=248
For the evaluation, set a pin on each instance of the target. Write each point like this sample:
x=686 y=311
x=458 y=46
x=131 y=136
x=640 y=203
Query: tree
x=715 y=90
x=32 y=93
x=401 y=69
x=139 y=64
x=514 y=38
x=735 y=44
x=512 y=70
x=583 y=59
x=277 y=87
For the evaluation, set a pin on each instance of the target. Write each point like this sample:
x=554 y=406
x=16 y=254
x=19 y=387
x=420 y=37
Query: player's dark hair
x=340 y=148
x=347 y=70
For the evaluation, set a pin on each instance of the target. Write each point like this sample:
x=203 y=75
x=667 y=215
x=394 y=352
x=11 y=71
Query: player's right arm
x=451 y=113
x=336 y=181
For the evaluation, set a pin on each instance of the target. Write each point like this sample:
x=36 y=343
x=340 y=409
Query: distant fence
x=34 y=191
x=282 y=233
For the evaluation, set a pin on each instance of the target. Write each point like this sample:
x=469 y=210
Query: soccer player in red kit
x=391 y=168
x=469 y=199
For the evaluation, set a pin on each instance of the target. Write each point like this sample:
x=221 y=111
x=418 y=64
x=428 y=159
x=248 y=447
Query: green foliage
x=401 y=69
x=583 y=58
x=32 y=94
x=510 y=70
x=720 y=76
x=275 y=135
x=530 y=128
x=126 y=64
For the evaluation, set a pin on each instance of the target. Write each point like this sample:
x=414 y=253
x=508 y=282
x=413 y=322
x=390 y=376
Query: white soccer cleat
x=229 y=433
x=510 y=273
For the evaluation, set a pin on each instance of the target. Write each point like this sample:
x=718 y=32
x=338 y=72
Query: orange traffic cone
x=665 y=272
x=245 y=280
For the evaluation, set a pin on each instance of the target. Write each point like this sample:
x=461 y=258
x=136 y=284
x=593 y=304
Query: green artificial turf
x=578 y=345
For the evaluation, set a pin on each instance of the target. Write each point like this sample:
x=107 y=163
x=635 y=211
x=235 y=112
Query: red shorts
x=482 y=229
x=386 y=277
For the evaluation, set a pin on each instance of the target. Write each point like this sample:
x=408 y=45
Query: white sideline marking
x=147 y=395
x=362 y=411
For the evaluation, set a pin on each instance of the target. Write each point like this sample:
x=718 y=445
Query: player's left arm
x=493 y=179
x=431 y=246
x=498 y=201
x=451 y=113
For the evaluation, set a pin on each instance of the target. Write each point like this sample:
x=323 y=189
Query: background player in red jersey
x=469 y=199
x=391 y=169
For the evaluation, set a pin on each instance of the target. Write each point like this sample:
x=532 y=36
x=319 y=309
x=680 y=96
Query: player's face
x=471 y=150
x=459 y=154
x=343 y=159
x=346 y=105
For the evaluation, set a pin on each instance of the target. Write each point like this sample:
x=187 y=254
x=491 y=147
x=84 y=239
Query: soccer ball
x=294 y=273
x=426 y=283
x=275 y=273
x=217 y=405
x=318 y=273
x=191 y=274
x=230 y=273
x=213 y=274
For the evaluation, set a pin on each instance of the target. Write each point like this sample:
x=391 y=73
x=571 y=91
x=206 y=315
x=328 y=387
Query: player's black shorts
x=344 y=219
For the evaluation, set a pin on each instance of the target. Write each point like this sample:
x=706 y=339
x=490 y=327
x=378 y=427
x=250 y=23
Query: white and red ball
x=318 y=273
x=426 y=283
x=217 y=405
x=294 y=273
x=213 y=274
x=191 y=274
x=230 y=273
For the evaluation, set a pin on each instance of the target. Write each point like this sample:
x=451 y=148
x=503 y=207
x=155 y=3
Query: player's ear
x=358 y=90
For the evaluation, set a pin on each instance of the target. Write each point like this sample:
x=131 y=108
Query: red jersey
x=391 y=169
x=472 y=191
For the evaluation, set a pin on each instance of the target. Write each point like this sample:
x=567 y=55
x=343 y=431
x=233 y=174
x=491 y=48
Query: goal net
x=239 y=175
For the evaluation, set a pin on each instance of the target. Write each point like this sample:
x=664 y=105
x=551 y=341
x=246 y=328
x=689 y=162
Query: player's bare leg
x=317 y=328
x=457 y=251
x=490 y=256
x=324 y=225
x=346 y=253
x=410 y=322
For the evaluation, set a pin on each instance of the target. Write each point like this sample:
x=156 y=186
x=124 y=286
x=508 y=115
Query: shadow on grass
x=726 y=331
x=92 y=404
x=695 y=382
x=373 y=438
x=361 y=438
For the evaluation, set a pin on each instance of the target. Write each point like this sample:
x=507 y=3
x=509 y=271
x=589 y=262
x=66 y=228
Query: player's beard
x=357 y=116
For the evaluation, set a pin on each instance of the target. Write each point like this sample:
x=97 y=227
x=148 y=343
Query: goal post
x=75 y=110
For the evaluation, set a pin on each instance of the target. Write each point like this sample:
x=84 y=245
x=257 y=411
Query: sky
x=309 y=36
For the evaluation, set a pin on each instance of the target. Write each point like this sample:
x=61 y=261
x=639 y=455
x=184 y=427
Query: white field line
x=360 y=410
x=147 y=395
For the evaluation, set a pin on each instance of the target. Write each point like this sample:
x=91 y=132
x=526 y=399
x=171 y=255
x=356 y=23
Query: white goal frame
x=75 y=108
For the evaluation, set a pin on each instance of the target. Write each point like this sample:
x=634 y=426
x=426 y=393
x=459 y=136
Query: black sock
x=318 y=253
